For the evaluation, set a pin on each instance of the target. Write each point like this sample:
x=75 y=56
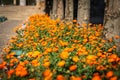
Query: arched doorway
x=97 y=8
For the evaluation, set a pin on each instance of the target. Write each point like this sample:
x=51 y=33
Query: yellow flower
x=35 y=54
x=35 y=63
x=75 y=58
x=64 y=55
x=61 y=63
x=46 y=64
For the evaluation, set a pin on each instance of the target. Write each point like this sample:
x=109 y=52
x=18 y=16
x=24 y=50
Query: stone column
x=14 y=2
x=60 y=10
x=42 y=5
x=69 y=10
x=83 y=11
x=22 y=2
x=54 y=9
x=38 y=3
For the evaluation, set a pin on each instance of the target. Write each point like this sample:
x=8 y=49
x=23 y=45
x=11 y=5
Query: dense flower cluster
x=56 y=50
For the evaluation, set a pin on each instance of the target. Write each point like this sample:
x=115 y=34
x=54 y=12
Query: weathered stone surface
x=69 y=10
x=54 y=10
x=83 y=11
x=22 y=2
x=112 y=20
x=60 y=10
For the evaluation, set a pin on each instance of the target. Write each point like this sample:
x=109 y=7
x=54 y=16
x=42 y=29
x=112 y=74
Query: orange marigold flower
x=96 y=78
x=60 y=77
x=114 y=78
x=3 y=65
x=73 y=67
x=84 y=25
x=35 y=63
x=10 y=72
x=46 y=73
x=21 y=71
x=91 y=57
x=49 y=50
x=75 y=58
x=75 y=78
x=110 y=40
x=46 y=64
x=61 y=63
x=117 y=37
x=109 y=74
x=64 y=55
x=110 y=49
x=99 y=54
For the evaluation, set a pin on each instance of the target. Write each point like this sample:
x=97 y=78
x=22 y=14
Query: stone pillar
x=38 y=3
x=42 y=5
x=14 y=2
x=22 y=2
x=60 y=10
x=69 y=10
x=54 y=9
x=83 y=11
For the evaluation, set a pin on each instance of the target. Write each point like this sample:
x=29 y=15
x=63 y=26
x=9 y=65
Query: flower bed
x=46 y=49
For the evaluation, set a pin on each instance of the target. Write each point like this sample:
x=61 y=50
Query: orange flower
x=7 y=50
x=91 y=57
x=35 y=63
x=96 y=78
x=109 y=74
x=110 y=40
x=21 y=71
x=10 y=72
x=99 y=54
x=3 y=65
x=84 y=25
x=110 y=49
x=114 y=47
x=74 y=20
x=96 y=74
x=73 y=67
x=64 y=55
x=61 y=63
x=75 y=58
x=35 y=54
x=114 y=78
x=60 y=77
x=49 y=50
x=55 y=49
x=46 y=64
x=75 y=78
x=117 y=37
x=46 y=73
